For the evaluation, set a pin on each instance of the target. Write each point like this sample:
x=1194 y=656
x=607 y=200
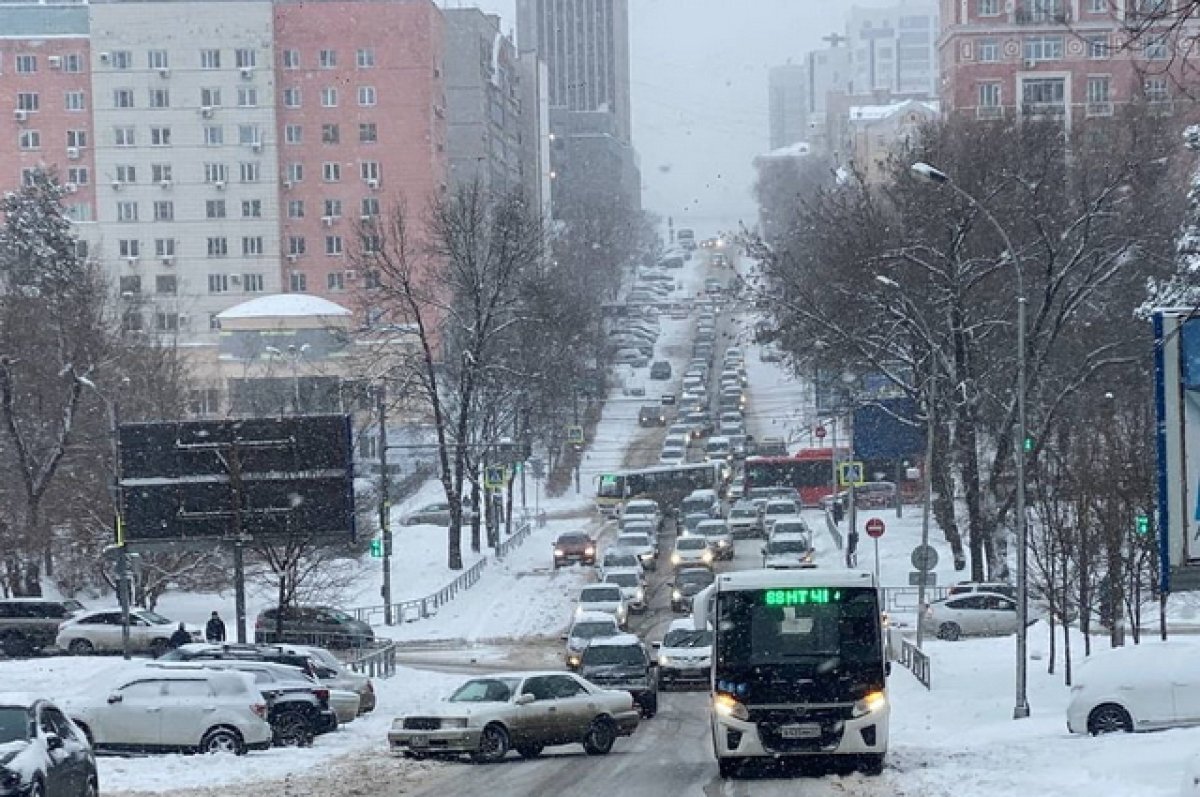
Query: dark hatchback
x=42 y=752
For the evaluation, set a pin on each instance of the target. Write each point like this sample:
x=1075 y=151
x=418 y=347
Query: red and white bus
x=810 y=471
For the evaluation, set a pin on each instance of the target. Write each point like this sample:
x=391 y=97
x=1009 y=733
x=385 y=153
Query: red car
x=574 y=546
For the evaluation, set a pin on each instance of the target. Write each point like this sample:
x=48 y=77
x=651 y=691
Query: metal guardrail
x=834 y=531
x=519 y=536
x=379 y=663
x=915 y=660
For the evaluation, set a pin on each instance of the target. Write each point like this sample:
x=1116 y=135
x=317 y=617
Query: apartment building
x=787 y=104
x=1069 y=59
x=894 y=47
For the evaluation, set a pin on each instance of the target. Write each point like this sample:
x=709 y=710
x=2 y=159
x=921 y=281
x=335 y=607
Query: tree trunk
x=476 y=544
x=942 y=474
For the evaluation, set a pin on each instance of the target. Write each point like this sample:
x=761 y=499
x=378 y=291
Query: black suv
x=622 y=662
x=312 y=625
x=27 y=625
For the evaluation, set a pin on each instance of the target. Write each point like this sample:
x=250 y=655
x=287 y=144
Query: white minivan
x=718 y=448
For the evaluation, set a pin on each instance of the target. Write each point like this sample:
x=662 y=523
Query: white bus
x=798 y=666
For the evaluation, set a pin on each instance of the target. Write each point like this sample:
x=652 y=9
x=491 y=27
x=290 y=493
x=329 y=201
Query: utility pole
x=927 y=509
x=123 y=576
x=385 y=509
x=239 y=564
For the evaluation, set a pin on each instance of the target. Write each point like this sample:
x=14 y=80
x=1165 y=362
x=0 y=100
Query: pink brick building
x=361 y=126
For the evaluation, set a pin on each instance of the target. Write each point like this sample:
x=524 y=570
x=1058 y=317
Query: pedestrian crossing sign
x=851 y=473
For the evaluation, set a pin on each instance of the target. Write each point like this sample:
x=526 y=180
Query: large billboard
x=252 y=478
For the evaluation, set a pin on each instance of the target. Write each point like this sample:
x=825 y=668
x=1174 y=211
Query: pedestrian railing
x=516 y=538
x=834 y=531
x=377 y=663
x=916 y=661
x=906 y=599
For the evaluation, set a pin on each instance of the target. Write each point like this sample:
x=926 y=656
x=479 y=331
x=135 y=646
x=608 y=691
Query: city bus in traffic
x=810 y=471
x=798 y=666
x=667 y=484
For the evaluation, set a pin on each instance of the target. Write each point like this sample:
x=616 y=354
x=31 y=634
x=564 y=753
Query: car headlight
x=723 y=543
x=639 y=595
x=874 y=701
x=558 y=552
x=676 y=595
x=398 y=724
x=452 y=723
x=589 y=551
x=664 y=661
x=706 y=556
x=727 y=706
x=572 y=661
x=647 y=556
x=675 y=559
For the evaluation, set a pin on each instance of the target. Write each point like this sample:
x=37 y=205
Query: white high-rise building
x=894 y=48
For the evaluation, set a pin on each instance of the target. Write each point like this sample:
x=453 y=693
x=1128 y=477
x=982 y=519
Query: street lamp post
x=938 y=177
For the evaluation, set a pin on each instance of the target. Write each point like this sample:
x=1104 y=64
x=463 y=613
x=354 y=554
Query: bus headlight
x=873 y=702
x=727 y=706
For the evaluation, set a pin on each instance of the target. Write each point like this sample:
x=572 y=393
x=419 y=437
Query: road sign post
x=875 y=529
x=820 y=433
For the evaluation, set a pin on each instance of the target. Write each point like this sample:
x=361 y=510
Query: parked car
x=691 y=552
x=720 y=538
x=435 y=514
x=661 y=369
x=312 y=625
x=622 y=662
x=1135 y=688
x=574 y=546
x=29 y=625
x=745 y=520
x=584 y=628
x=143 y=709
x=993 y=587
x=688 y=581
x=488 y=717
x=632 y=582
x=333 y=672
x=100 y=632
x=980 y=614
x=42 y=752
x=605 y=598
x=685 y=654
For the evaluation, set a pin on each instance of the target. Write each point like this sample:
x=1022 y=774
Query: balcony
x=989 y=112
x=1099 y=109
x=1050 y=110
x=1043 y=14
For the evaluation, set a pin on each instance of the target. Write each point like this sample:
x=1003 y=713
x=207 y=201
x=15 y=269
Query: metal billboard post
x=385 y=510
x=927 y=509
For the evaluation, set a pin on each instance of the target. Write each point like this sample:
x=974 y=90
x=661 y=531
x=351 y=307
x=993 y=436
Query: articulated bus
x=667 y=484
x=798 y=666
x=810 y=471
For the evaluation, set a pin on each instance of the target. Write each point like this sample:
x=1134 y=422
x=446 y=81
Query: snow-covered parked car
x=1142 y=687
x=43 y=753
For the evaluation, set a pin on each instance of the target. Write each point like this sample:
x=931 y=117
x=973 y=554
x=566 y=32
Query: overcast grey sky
x=700 y=94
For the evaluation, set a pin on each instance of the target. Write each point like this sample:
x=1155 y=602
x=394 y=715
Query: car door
x=134 y=720
x=1184 y=684
x=61 y=777
x=187 y=706
x=103 y=630
x=71 y=760
x=574 y=705
x=1002 y=615
x=538 y=722
x=968 y=614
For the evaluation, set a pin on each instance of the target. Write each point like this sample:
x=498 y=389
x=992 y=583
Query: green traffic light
x=1142 y=524
x=377 y=548
x=1028 y=444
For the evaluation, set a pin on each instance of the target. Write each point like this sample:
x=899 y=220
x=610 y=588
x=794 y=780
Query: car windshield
x=573 y=539
x=639 y=509
x=786 y=546
x=613 y=654
x=633 y=541
x=843 y=623
x=485 y=690
x=156 y=619
x=600 y=595
x=14 y=724
x=686 y=638
x=691 y=543
x=620 y=560
x=592 y=630
x=623 y=579
x=789 y=527
x=703 y=577
x=744 y=512
x=781 y=508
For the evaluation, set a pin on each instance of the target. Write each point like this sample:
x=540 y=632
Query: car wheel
x=949 y=631
x=728 y=767
x=81 y=647
x=494 y=744
x=1109 y=718
x=871 y=764
x=16 y=646
x=222 y=740
x=650 y=707
x=599 y=737
x=291 y=729
x=159 y=647
x=529 y=750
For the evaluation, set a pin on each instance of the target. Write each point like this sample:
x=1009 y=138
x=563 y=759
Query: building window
x=129 y=285
x=245 y=58
x=251 y=208
x=166 y=322
x=166 y=284
x=210 y=59
x=293 y=134
x=214 y=209
x=335 y=281
x=989 y=50
x=129 y=247
x=77 y=139
x=160 y=98
x=215 y=172
x=131 y=321
x=214 y=135
x=160 y=136
x=218 y=283
x=371 y=279
x=1156 y=90
x=123 y=136
x=295 y=172
x=160 y=172
x=1043 y=95
x=27 y=101
x=298 y=282
x=371 y=244
x=1097 y=46
x=73 y=63
x=366 y=57
x=80 y=212
x=210 y=98
x=370 y=206
x=989 y=8
x=989 y=101
x=218 y=247
x=1099 y=95
x=157 y=59
x=122 y=98
x=252 y=283
x=1043 y=48
x=330 y=134
x=1098 y=6
x=328 y=59
x=126 y=174
x=164 y=210
x=331 y=172
x=26 y=64
x=127 y=211
x=1156 y=48
x=291 y=98
x=250 y=172
x=333 y=208
x=247 y=97
x=366 y=96
x=367 y=133
x=369 y=170
x=295 y=208
x=333 y=245
x=291 y=59
x=74 y=101
x=252 y=245
x=329 y=97
x=164 y=247
x=78 y=175
x=122 y=59
x=30 y=139
x=296 y=245
x=248 y=135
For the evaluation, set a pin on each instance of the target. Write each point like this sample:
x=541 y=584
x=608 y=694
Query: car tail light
x=260 y=709
x=322 y=694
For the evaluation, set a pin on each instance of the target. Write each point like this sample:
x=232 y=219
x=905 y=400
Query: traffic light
x=1028 y=444
x=518 y=467
x=377 y=548
x=1141 y=524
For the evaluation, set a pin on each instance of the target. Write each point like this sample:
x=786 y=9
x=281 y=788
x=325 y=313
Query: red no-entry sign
x=819 y=432
x=875 y=527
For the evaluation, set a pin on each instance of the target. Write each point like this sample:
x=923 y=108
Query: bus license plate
x=806 y=730
x=418 y=741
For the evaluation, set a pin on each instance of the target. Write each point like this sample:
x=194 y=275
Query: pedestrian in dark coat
x=180 y=637
x=214 y=631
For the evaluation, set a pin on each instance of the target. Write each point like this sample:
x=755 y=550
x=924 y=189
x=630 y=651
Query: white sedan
x=1136 y=688
x=978 y=614
x=692 y=552
x=100 y=631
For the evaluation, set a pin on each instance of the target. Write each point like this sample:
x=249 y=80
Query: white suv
x=210 y=711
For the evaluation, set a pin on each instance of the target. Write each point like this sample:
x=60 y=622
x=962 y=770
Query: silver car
x=976 y=614
x=487 y=717
x=719 y=536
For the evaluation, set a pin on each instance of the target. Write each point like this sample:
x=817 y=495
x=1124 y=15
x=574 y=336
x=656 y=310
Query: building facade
x=894 y=48
x=787 y=104
x=876 y=131
x=1067 y=59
